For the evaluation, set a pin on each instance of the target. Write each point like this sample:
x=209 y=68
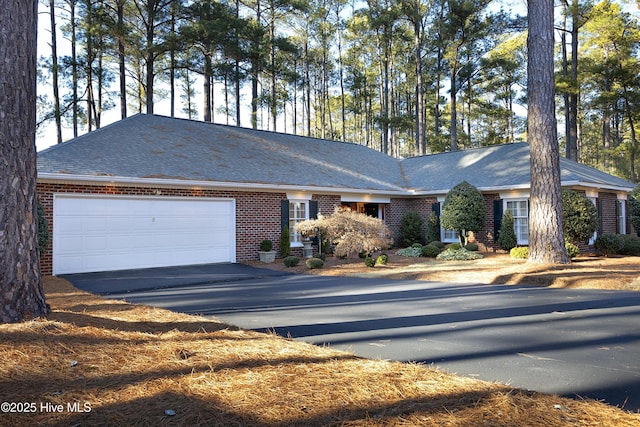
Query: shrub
x=266 y=245
x=507 y=239
x=438 y=244
x=382 y=259
x=609 y=244
x=369 y=262
x=416 y=245
x=314 y=263
x=579 y=217
x=473 y=247
x=572 y=250
x=430 y=251
x=411 y=226
x=411 y=252
x=634 y=208
x=285 y=242
x=351 y=232
x=519 y=252
x=631 y=245
x=463 y=210
x=433 y=228
x=291 y=261
x=43 y=230
x=453 y=246
x=458 y=255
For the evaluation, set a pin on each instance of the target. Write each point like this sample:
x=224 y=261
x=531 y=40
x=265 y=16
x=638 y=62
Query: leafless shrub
x=351 y=232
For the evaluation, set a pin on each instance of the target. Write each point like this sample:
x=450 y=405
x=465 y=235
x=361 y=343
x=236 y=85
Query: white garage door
x=118 y=233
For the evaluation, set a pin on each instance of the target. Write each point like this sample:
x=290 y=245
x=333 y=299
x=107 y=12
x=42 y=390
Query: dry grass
x=619 y=273
x=132 y=363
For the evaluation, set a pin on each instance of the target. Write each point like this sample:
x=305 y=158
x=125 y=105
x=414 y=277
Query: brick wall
x=257 y=213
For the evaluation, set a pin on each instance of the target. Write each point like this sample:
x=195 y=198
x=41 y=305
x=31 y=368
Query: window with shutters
x=298 y=211
x=519 y=209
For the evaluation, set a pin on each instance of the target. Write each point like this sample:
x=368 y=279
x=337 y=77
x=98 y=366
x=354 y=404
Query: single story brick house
x=151 y=191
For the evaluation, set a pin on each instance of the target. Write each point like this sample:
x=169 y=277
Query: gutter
x=61 y=178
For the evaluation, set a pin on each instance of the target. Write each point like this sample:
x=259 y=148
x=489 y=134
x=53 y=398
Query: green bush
x=453 y=246
x=579 y=217
x=382 y=259
x=285 y=242
x=634 y=208
x=411 y=226
x=609 y=244
x=430 y=251
x=266 y=245
x=314 y=263
x=416 y=245
x=369 y=262
x=631 y=245
x=43 y=230
x=458 y=255
x=463 y=210
x=291 y=261
x=519 y=252
x=433 y=228
x=572 y=250
x=410 y=252
x=473 y=247
x=438 y=244
x=618 y=244
x=507 y=239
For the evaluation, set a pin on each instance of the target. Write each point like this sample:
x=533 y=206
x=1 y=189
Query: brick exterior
x=258 y=213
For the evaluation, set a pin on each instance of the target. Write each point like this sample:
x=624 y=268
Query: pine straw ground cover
x=127 y=365
x=585 y=271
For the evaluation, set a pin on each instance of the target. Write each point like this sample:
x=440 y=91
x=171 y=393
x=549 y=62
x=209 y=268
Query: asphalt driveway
x=569 y=342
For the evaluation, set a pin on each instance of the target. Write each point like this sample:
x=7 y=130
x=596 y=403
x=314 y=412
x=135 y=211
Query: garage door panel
x=112 y=233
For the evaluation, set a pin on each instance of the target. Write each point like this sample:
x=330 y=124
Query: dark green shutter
x=497 y=219
x=435 y=208
x=313 y=209
x=627 y=212
x=599 y=209
x=284 y=214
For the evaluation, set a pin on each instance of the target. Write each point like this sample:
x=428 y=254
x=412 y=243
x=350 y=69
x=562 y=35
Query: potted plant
x=266 y=254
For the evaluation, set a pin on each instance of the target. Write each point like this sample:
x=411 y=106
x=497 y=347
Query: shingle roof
x=150 y=146
x=157 y=147
x=495 y=167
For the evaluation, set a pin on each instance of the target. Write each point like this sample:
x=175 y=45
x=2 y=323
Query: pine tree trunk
x=546 y=237
x=54 y=70
x=21 y=293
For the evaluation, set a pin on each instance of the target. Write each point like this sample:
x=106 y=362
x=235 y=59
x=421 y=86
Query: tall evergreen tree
x=546 y=238
x=21 y=292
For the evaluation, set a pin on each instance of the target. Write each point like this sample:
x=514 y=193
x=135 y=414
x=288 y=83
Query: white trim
x=61 y=178
x=511 y=195
x=504 y=209
x=364 y=198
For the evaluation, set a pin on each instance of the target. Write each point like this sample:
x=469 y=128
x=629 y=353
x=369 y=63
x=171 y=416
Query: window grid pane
x=297 y=213
x=520 y=211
